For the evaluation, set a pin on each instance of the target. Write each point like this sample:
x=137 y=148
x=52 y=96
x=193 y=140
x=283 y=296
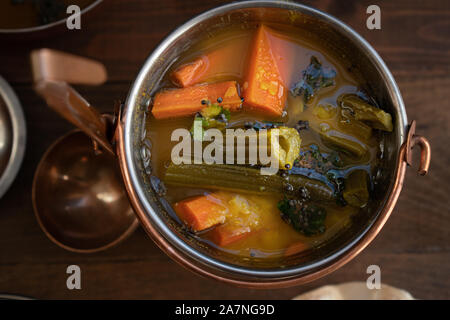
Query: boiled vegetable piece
x=356 y=192
x=264 y=89
x=211 y=111
x=201 y=213
x=342 y=141
x=336 y=132
x=244 y=179
x=315 y=77
x=227 y=61
x=189 y=74
x=243 y=218
x=243 y=212
x=355 y=127
x=308 y=219
x=373 y=116
x=324 y=112
x=295 y=248
x=289 y=140
x=187 y=101
x=289 y=146
x=213 y=116
x=225 y=235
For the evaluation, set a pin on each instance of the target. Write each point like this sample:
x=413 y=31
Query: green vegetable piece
x=362 y=111
x=211 y=111
x=315 y=77
x=242 y=179
x=346 y=137
x=356 y=192
x=308 y=219
x=212 y=116
x=356 y=128
x=339 y=140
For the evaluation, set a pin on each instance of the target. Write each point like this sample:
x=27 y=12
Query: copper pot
x=126 y=138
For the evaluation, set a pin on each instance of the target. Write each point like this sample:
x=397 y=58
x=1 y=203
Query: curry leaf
x=315 y=77
x=307 y=219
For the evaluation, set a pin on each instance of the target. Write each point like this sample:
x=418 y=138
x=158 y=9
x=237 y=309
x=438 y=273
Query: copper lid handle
x=52 y=71
x=48 y=64
x=425 y=149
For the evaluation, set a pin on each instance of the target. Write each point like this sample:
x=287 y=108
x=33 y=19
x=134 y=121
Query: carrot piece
x=264 y=88
x=295 y=248
x=190 y=73
x=187 y=101
x=225 y=235
x=228 y=61
x=201 y=213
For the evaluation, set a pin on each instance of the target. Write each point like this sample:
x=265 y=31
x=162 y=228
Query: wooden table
x=413 y=250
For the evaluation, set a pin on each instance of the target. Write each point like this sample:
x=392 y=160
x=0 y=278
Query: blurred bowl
x=12 y=136
x=43 y=27
x=8 y=296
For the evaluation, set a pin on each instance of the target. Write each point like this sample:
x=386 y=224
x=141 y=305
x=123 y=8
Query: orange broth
x=273 y=235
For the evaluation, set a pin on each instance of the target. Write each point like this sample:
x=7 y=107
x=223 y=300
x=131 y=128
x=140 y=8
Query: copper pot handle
x=52 y=71
x=425 y=149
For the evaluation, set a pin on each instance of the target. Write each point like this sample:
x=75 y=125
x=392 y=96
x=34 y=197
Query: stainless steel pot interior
x=332 y=33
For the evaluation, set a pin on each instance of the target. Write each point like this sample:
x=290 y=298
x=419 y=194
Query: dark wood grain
x=413 y=249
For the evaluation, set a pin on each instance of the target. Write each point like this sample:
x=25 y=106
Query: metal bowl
x=48 y=25
x=12 y=136
x=78 y=196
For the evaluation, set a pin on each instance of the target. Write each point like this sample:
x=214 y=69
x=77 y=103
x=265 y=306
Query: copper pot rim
x=41 y=224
